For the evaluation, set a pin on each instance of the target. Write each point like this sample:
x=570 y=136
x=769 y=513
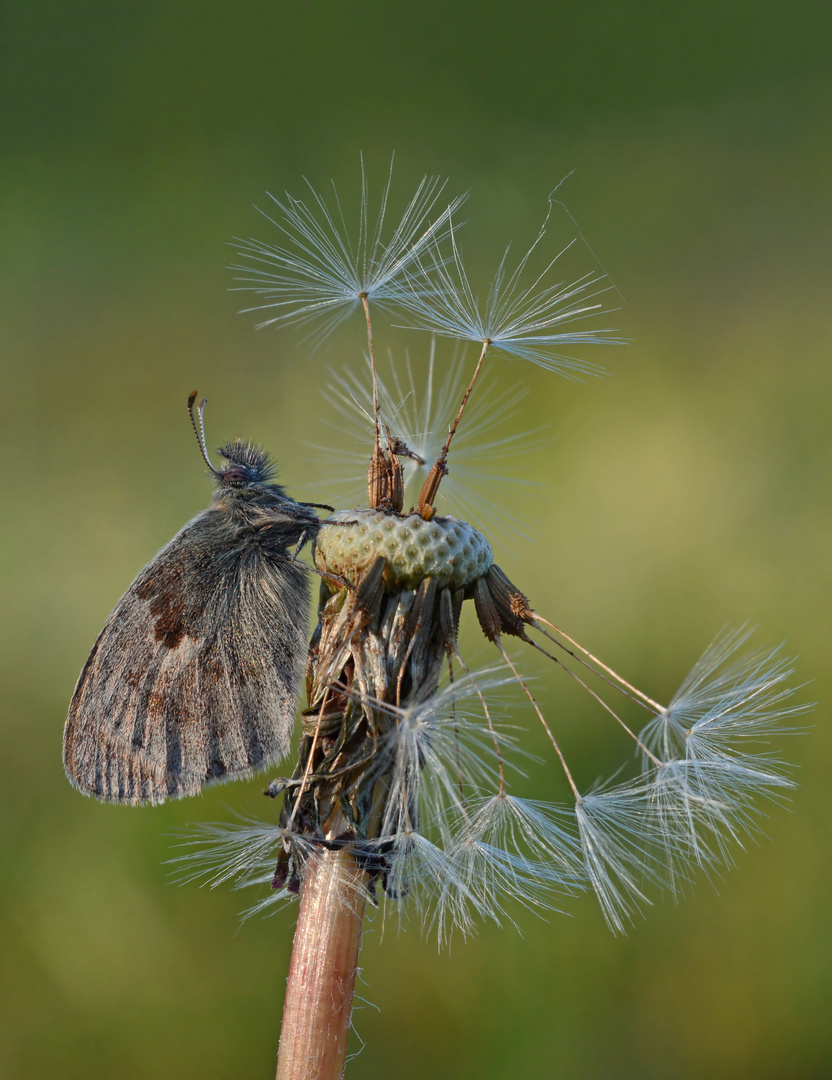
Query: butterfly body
x=195 y=675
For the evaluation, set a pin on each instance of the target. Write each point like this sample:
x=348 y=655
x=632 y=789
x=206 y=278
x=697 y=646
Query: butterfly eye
x=236 y=475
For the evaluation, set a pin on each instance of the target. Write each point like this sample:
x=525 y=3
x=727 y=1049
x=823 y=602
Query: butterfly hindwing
x=194 y=677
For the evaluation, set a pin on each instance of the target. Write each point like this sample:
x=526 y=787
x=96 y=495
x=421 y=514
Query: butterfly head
x=244 y=466
x=245 y=478
x=244 y=481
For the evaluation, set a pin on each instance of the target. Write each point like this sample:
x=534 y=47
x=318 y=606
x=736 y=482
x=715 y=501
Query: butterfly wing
x=195 y=675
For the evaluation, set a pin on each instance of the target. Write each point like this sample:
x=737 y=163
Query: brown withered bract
x=195 y=675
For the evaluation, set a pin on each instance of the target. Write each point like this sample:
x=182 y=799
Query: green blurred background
x=687 y=491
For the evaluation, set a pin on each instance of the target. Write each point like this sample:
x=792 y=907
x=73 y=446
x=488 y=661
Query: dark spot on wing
x=170 y=627
x=174 y=598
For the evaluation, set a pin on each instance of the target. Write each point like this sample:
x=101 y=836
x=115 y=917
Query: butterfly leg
x=342 y=583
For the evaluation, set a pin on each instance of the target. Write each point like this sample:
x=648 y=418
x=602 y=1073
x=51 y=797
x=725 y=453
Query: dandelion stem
x=319 y=990
x=434 y=479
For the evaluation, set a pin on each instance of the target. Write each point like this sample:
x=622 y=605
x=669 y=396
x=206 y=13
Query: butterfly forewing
x=194 y=677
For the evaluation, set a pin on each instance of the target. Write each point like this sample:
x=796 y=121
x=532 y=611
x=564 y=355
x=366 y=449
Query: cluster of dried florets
x=409 y=774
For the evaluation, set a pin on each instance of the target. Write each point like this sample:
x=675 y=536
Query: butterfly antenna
x=200 y=431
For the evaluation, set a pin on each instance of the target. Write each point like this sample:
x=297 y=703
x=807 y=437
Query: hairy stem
x=319 y=991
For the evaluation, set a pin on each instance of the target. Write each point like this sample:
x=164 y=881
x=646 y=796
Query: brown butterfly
x=195 y=675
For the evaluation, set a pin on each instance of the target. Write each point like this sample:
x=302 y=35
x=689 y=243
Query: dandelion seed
x=416 y=873
x=431 y=743
x=325 y=270
x=484 y=882
x=720 y=702
x=702 y=785
x=620 y=834
x=706 y=807
x=522 y=315
x=519 y=849
x=711 y=787
x=243 y=853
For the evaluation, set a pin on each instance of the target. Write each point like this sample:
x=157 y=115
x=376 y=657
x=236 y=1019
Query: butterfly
x=194 y=677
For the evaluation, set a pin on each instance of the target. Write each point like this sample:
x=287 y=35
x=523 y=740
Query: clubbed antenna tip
x=199 y=432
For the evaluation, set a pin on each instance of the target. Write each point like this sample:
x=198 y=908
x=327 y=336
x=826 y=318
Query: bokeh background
x=687 y=491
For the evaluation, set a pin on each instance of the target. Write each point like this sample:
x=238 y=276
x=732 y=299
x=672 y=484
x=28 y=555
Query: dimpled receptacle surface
x=448 y=550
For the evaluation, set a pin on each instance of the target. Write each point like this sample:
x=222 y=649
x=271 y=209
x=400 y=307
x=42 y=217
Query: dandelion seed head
x=445 y=549
x=413 y=780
